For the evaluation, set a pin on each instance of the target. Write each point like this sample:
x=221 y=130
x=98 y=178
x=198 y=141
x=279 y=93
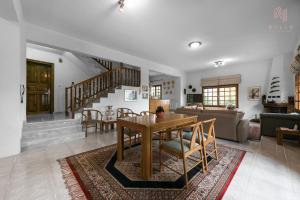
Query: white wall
x=175 y=97
x=253 y=74
x=70 y=70
x=281 y=68
x=117 y=99
x=10 y=74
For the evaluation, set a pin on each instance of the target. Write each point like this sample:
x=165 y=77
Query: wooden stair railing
x=82 y=94
x=104 y=63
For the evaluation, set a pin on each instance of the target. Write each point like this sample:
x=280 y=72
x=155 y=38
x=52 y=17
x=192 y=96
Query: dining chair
x=209 y=137
x=145 y=113
x=160 y=134
x=184 y=149
x=91 y=118
x=126 y=112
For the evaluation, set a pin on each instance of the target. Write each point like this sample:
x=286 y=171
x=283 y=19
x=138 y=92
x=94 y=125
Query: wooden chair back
x=145 y=113
x=210 y=124
x=197 y=134
x=90 y=115
x=123 y=112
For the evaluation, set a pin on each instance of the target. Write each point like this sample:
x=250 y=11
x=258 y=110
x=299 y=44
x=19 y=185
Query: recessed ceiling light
x=218 y=63
x=195 y=44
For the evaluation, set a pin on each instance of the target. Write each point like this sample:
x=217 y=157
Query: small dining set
x=180 y=136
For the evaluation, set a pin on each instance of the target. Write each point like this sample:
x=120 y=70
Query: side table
x=254 y=131
x=106 y=123
x=285 y=131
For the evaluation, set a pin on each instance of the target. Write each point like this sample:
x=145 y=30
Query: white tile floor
x=268 y=171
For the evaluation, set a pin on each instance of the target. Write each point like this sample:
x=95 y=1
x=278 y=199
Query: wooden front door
x=39 y=87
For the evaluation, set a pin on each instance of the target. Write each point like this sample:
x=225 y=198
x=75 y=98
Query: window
x=297 y=92
x=156 y=91
x=220 y=96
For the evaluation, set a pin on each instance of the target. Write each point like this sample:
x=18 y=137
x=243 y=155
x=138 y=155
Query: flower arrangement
x=230 y=107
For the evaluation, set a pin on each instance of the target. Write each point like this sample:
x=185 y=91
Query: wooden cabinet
x=154 y=103
x=278 y=107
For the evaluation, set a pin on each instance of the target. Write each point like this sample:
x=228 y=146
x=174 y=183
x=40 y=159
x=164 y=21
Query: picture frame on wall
x=254 y=93
x=130 y=95
x=145 y=96
x=145 y=88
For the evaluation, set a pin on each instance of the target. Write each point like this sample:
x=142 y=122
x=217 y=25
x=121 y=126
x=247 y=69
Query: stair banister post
x=66 y=100
x=72 y=100
x=121 y=71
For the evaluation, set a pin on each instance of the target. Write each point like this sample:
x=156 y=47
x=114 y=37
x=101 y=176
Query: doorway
x=40 y=87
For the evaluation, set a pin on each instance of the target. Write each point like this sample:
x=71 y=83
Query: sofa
x=270 y=121
x=230 y=125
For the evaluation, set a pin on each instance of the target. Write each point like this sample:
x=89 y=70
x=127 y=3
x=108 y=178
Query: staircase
x=104 y=63
x=85 y=93
x=41 y=134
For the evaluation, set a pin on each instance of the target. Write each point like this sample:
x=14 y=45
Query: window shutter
x=221 y=80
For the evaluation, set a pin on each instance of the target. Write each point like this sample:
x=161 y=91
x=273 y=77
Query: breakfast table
x=147 y=125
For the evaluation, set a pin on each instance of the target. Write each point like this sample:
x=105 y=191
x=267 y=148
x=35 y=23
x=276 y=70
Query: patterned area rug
x=98 y=175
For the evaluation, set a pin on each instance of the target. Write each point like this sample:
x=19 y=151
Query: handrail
x=79 y=95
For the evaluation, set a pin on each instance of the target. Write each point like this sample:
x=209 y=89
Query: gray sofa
x=270 y=121
x=229 y=125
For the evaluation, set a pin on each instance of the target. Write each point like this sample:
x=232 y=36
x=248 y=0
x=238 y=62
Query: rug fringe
x=70 y=181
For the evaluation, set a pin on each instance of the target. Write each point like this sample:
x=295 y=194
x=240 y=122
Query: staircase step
x=50 y=137
x=104 y=95
x=50 y=124
x=42 y=142
x=51 y=132
x=112 y=90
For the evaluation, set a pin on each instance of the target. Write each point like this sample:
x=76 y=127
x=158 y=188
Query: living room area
x=140 y=99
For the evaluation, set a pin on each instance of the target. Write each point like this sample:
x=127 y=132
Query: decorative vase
x=109 y=113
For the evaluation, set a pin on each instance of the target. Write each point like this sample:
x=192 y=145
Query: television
x=194 y=98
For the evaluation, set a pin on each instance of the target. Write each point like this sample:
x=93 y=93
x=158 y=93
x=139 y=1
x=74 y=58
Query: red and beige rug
x=98 y=175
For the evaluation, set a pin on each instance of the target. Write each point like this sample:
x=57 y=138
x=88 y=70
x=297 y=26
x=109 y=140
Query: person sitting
x=160 y=112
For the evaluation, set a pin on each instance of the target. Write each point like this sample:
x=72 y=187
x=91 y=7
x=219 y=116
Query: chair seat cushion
x=188 y=135
x=175 y=146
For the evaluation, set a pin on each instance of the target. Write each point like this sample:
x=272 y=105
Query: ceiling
x=7 y=10
x=46 y=49
x=154 y=73
x=235 y=31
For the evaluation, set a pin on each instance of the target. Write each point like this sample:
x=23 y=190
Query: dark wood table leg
x=279 y=136
x=120 y=144
x=146 y=162
x=106 y=127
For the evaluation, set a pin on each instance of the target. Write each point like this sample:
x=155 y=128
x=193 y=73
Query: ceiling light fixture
x=121 y=4
x=218 y=63
x=195 y=44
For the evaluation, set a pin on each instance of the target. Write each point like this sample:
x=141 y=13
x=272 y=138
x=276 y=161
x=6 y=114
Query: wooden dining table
x=146 y=125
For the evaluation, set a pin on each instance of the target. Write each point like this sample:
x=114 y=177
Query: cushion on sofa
x=227 y=122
